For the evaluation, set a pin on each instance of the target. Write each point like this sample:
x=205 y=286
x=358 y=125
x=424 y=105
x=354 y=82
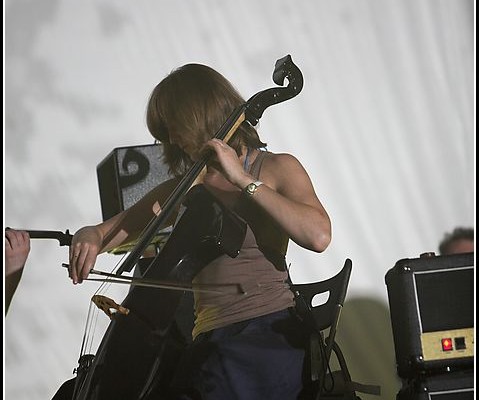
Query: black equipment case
x=457 y=385
x=431 y=302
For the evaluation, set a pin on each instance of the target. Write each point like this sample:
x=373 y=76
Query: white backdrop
x=384 y=125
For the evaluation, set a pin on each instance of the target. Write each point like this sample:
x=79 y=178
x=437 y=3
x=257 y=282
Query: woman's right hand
x=85 y=247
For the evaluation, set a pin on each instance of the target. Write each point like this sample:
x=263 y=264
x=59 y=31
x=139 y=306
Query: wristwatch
x=252 y=187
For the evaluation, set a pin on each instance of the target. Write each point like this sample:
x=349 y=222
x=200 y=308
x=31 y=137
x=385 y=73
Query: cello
x=135 y=356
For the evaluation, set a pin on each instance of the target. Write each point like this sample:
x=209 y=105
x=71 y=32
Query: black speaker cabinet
x=457 y=385
x=431 y=303
x=127 y=174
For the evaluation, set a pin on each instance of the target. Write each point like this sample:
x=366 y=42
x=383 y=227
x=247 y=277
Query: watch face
x=251 y=188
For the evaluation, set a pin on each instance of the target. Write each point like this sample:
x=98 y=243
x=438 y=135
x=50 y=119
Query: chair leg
x=315 y=356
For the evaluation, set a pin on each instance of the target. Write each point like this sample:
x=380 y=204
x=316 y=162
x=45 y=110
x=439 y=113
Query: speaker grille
x=126 y=174
x=446 y=299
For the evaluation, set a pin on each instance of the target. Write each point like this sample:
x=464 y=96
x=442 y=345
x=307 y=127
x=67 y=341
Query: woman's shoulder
x=280 y=168
x=280 y=160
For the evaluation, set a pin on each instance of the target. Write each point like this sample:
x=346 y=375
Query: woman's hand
x=85 y=247
x=228 y=163
x=17 y=248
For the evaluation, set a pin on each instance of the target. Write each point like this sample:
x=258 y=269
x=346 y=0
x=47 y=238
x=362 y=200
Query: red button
x=446 y=344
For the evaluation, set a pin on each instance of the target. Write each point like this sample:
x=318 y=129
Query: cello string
x=86 y=333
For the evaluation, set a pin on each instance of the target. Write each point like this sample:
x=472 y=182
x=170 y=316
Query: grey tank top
x=252 y=284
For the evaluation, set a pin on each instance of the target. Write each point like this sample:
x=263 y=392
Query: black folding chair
x=322 y=318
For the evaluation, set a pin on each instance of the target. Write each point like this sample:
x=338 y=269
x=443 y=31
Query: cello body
x=138 y=351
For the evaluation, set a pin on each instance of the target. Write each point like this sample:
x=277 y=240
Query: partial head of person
x=460 y=240
x=187 y=108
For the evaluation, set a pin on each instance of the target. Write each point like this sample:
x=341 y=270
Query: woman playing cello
x=246 y=346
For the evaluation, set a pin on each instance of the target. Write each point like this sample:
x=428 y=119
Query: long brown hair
x=194 y=100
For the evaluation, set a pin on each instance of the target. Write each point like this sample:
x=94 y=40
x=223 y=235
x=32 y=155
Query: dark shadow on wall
x=366 y=340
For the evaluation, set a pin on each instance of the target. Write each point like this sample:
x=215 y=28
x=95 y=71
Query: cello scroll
x=284 y=68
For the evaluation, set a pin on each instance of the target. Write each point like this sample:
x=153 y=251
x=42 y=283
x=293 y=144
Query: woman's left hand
x=228 y=163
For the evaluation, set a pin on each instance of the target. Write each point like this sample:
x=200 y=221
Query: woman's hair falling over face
x=194 y=101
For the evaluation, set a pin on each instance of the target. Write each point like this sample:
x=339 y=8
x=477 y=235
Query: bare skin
x=17 y=248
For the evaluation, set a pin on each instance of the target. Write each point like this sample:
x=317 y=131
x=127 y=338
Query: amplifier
x=457 y=385
x=431 y=303
x=126 y=174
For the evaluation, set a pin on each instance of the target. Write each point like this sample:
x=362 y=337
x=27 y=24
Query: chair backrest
x=322 y=316
x=335 y=384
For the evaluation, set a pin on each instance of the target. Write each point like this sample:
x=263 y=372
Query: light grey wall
x=384 y=125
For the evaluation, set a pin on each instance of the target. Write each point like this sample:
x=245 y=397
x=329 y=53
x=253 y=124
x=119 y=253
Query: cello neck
x=176 y=197
x=250 y=111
